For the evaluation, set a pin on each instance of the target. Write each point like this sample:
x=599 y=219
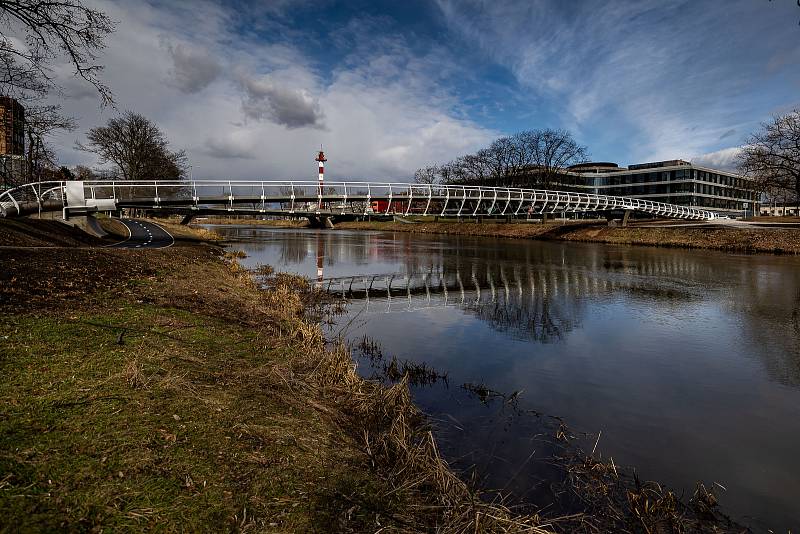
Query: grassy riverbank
x=279 y=223
x=750 y=240
x=172 y=390
x=163 y=389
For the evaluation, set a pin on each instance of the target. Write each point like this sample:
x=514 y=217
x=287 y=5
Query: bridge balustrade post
x=428 y=204
x=463 y=200
x=545 y=200
x=494 y=201
x=478 y=205
x=263 y=199
x=558 y=200
x=521 y=201
x=508 y=201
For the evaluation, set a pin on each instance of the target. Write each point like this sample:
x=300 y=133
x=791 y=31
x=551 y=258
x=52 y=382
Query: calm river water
x=685 y=363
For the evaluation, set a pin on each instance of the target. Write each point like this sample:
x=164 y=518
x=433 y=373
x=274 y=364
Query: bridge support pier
x=320 y=222
x=625 y=218
x=187 y=219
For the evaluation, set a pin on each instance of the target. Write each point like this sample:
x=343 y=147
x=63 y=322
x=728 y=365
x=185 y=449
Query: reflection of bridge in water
x=499 y=282
x=541 y=303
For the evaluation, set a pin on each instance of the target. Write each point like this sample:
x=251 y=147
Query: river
x=684 y=364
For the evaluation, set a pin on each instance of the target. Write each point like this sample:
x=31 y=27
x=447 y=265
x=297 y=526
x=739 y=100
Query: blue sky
x=251 y=89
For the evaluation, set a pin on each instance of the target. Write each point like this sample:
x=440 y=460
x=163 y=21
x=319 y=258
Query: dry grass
x=278 y=223
x=113 y=227
x=134 y=374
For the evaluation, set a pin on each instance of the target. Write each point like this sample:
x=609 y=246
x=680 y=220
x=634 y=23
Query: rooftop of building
x=607 y=167
x=595 y=167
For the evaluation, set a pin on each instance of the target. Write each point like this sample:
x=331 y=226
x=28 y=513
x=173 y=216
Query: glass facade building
x=674 y=182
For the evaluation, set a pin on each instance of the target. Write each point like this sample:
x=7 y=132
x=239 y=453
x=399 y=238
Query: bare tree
x=137 y=147
x=40 y=123
x=529 y=158
x=771 y=157
x=547 y=153
x=35 y=33
x=499 y=159
x=82 y=172
x=474 y=168
x=446 y=173
x=427 y=175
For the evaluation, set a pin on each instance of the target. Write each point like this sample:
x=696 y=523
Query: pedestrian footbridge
x=338 y=200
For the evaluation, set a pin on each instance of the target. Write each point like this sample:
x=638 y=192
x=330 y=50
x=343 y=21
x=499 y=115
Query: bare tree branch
x=35 y=33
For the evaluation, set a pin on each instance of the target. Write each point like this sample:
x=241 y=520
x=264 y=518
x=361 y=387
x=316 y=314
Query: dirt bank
x=25 y=232
x=750 y=240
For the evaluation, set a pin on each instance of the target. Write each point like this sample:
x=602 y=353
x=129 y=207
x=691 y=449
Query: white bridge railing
x=334 y=198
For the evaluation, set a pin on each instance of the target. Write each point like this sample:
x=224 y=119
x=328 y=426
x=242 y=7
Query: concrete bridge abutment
x=320 y=222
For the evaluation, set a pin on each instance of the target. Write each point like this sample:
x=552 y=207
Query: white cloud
x=725 y=159
x=671 y=75
x=247 y=109
x=231 y=146
x=193 y=68
x=289 y=106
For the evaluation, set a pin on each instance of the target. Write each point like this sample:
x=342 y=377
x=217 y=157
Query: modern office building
x=675 y=182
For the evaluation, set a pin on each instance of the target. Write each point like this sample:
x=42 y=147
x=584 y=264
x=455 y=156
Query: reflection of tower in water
x=320 y=257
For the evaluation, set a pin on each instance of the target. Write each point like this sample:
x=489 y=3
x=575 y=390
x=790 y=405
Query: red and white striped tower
x=321 y=159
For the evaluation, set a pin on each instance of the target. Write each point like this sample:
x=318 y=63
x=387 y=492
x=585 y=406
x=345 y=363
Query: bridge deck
x=334 y=198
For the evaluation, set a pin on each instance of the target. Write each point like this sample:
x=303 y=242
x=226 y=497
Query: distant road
x=145 y=235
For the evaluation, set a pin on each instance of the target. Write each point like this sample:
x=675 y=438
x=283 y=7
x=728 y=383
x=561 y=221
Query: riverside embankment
x=169 y=389
x=749 y=240
x=172 y=389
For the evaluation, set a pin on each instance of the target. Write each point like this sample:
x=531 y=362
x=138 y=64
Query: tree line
x=531 y=158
